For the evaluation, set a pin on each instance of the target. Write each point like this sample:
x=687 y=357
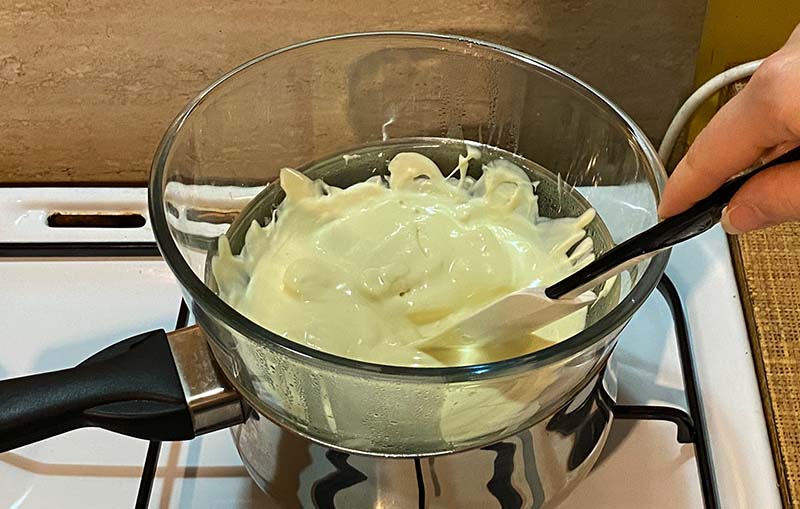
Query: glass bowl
x=313 y=101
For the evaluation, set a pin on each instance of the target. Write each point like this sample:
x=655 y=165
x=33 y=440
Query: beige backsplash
x=88 y=87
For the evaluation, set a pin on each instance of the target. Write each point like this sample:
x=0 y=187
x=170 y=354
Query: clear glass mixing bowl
x=336 y=95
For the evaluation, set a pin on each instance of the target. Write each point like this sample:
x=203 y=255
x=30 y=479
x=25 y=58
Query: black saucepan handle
x=132 y=387
x=694 y=221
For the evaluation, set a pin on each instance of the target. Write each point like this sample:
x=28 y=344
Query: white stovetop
x=58 y=312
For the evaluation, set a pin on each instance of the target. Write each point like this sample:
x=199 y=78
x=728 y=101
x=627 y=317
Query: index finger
x=737 y=136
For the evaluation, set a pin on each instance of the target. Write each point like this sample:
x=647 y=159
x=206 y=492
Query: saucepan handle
x=132 y=387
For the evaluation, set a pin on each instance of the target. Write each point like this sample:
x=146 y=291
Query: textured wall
x=87 y=87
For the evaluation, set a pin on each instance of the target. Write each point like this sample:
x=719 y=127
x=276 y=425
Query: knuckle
x=774 y=196
x=702 y=175
x=775 y=85
x=774 y=71
x=791 y=204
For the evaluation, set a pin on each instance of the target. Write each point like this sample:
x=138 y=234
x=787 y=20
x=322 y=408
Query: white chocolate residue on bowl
x=368 y=271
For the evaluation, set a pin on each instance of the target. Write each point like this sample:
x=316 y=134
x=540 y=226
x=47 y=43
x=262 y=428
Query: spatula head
x=500 y=323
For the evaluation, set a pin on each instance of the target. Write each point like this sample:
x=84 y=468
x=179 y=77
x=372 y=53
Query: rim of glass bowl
x=221 y=311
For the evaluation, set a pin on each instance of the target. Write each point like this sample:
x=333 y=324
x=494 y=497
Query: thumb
x=769 y=198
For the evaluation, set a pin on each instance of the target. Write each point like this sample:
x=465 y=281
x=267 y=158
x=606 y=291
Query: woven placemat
x=767 y=264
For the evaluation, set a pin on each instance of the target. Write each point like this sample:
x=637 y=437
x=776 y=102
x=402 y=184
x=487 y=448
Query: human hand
x=757 y=125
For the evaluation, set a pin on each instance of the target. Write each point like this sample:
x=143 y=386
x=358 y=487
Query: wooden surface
x=88 y=87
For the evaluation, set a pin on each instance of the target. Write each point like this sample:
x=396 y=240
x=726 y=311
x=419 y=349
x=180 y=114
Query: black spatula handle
x=690 y=223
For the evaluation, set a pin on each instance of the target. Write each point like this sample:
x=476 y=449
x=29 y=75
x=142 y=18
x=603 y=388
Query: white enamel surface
x=25 y=212
x=58 y=312
x=742 y=456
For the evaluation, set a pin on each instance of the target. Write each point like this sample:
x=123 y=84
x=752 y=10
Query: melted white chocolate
x=369 y=271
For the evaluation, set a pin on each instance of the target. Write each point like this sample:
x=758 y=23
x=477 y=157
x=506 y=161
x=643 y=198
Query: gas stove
x=80 y=271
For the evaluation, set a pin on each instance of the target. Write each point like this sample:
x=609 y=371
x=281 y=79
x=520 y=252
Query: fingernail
x=725 y=221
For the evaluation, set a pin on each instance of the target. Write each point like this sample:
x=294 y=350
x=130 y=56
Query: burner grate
x=692 y=427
